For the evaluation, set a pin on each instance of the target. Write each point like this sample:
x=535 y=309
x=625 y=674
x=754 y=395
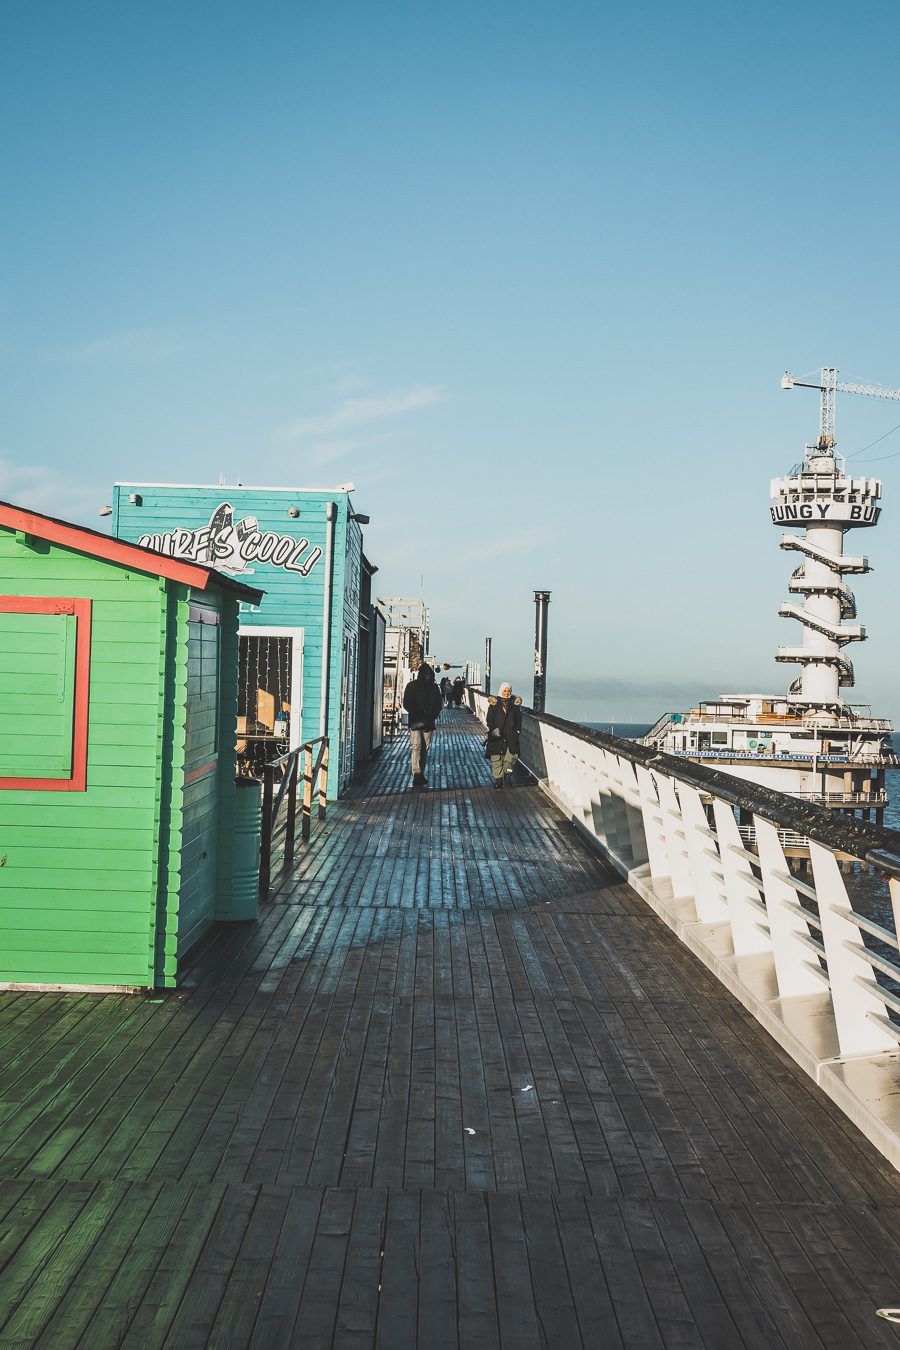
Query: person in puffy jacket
x=504 y=728
x=422 y=700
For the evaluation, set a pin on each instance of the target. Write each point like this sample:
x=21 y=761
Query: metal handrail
x=863 y=839
x=875 y=930
x=272 y=803
x=698 y=716
x=743 y=716
x=788 y=838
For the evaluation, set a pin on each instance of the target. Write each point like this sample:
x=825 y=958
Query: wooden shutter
x=37 y=694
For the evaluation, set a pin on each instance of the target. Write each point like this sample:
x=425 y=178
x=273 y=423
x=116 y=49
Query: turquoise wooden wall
x=349 y=698
x=291 y=599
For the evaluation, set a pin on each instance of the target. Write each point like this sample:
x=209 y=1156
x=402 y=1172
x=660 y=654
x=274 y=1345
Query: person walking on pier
x=504 y=725
x=422 y=700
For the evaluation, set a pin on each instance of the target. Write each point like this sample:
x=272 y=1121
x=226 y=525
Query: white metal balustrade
x=787 y=838
x=877 y=797
x=792 y=948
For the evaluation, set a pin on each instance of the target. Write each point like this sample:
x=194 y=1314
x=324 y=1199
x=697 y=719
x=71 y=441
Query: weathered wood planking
x=457 y=1088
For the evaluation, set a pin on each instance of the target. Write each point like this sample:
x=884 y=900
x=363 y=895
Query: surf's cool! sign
x=236 y=547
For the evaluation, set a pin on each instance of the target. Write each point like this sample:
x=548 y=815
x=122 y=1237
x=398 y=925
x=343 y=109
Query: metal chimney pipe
x=539 y=699
x=487 y=665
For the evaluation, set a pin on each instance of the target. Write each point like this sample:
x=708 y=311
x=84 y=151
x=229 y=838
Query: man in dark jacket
x=504 y=727
x=422 y=700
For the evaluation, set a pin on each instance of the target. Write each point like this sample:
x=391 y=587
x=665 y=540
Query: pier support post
x=539 y=699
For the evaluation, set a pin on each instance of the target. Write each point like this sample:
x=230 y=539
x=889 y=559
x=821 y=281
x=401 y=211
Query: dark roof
x=98 y=545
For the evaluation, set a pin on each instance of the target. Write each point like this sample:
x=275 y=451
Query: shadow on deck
x=458 y=1087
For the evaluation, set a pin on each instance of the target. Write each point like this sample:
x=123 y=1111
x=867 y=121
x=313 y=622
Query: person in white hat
x=504 y=725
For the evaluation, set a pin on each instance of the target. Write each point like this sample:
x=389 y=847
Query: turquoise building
x=299 y=673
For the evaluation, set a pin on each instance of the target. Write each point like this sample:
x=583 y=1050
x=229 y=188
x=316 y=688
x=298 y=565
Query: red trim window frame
x=81 y=609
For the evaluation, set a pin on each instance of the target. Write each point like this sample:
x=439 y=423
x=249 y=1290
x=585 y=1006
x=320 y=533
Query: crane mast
x=829 y=385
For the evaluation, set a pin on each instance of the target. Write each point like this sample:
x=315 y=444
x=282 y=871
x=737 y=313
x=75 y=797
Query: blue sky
x=528 y=275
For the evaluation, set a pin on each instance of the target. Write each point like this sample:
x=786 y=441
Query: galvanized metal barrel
x=245 y=882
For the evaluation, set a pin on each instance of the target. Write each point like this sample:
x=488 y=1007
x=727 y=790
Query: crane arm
x=829 y=386
x=873 y=390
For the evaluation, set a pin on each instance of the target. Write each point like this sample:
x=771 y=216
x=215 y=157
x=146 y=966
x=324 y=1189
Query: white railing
x=697 y=718
x=780 y=756
x=854 y=724
x=661 y=726
x=878 y=797
x=791 y=947
x=786 y=838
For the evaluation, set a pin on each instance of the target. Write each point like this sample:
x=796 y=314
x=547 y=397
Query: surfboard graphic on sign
x=234 y=548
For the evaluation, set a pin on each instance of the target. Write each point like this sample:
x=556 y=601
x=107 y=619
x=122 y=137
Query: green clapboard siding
x=92 y=853
x=37 y=688
x=199 y=816
x=111 y=885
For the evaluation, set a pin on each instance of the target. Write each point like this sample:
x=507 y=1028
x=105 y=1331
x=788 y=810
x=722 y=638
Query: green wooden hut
x=118 y=698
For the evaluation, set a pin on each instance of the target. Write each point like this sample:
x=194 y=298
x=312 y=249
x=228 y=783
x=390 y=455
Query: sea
x=869 y=894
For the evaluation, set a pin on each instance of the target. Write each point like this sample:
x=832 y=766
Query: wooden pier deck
x=458 y=1087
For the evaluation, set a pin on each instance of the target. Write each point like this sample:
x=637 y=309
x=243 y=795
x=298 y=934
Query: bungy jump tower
x=818 y=495
x=811 y=742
